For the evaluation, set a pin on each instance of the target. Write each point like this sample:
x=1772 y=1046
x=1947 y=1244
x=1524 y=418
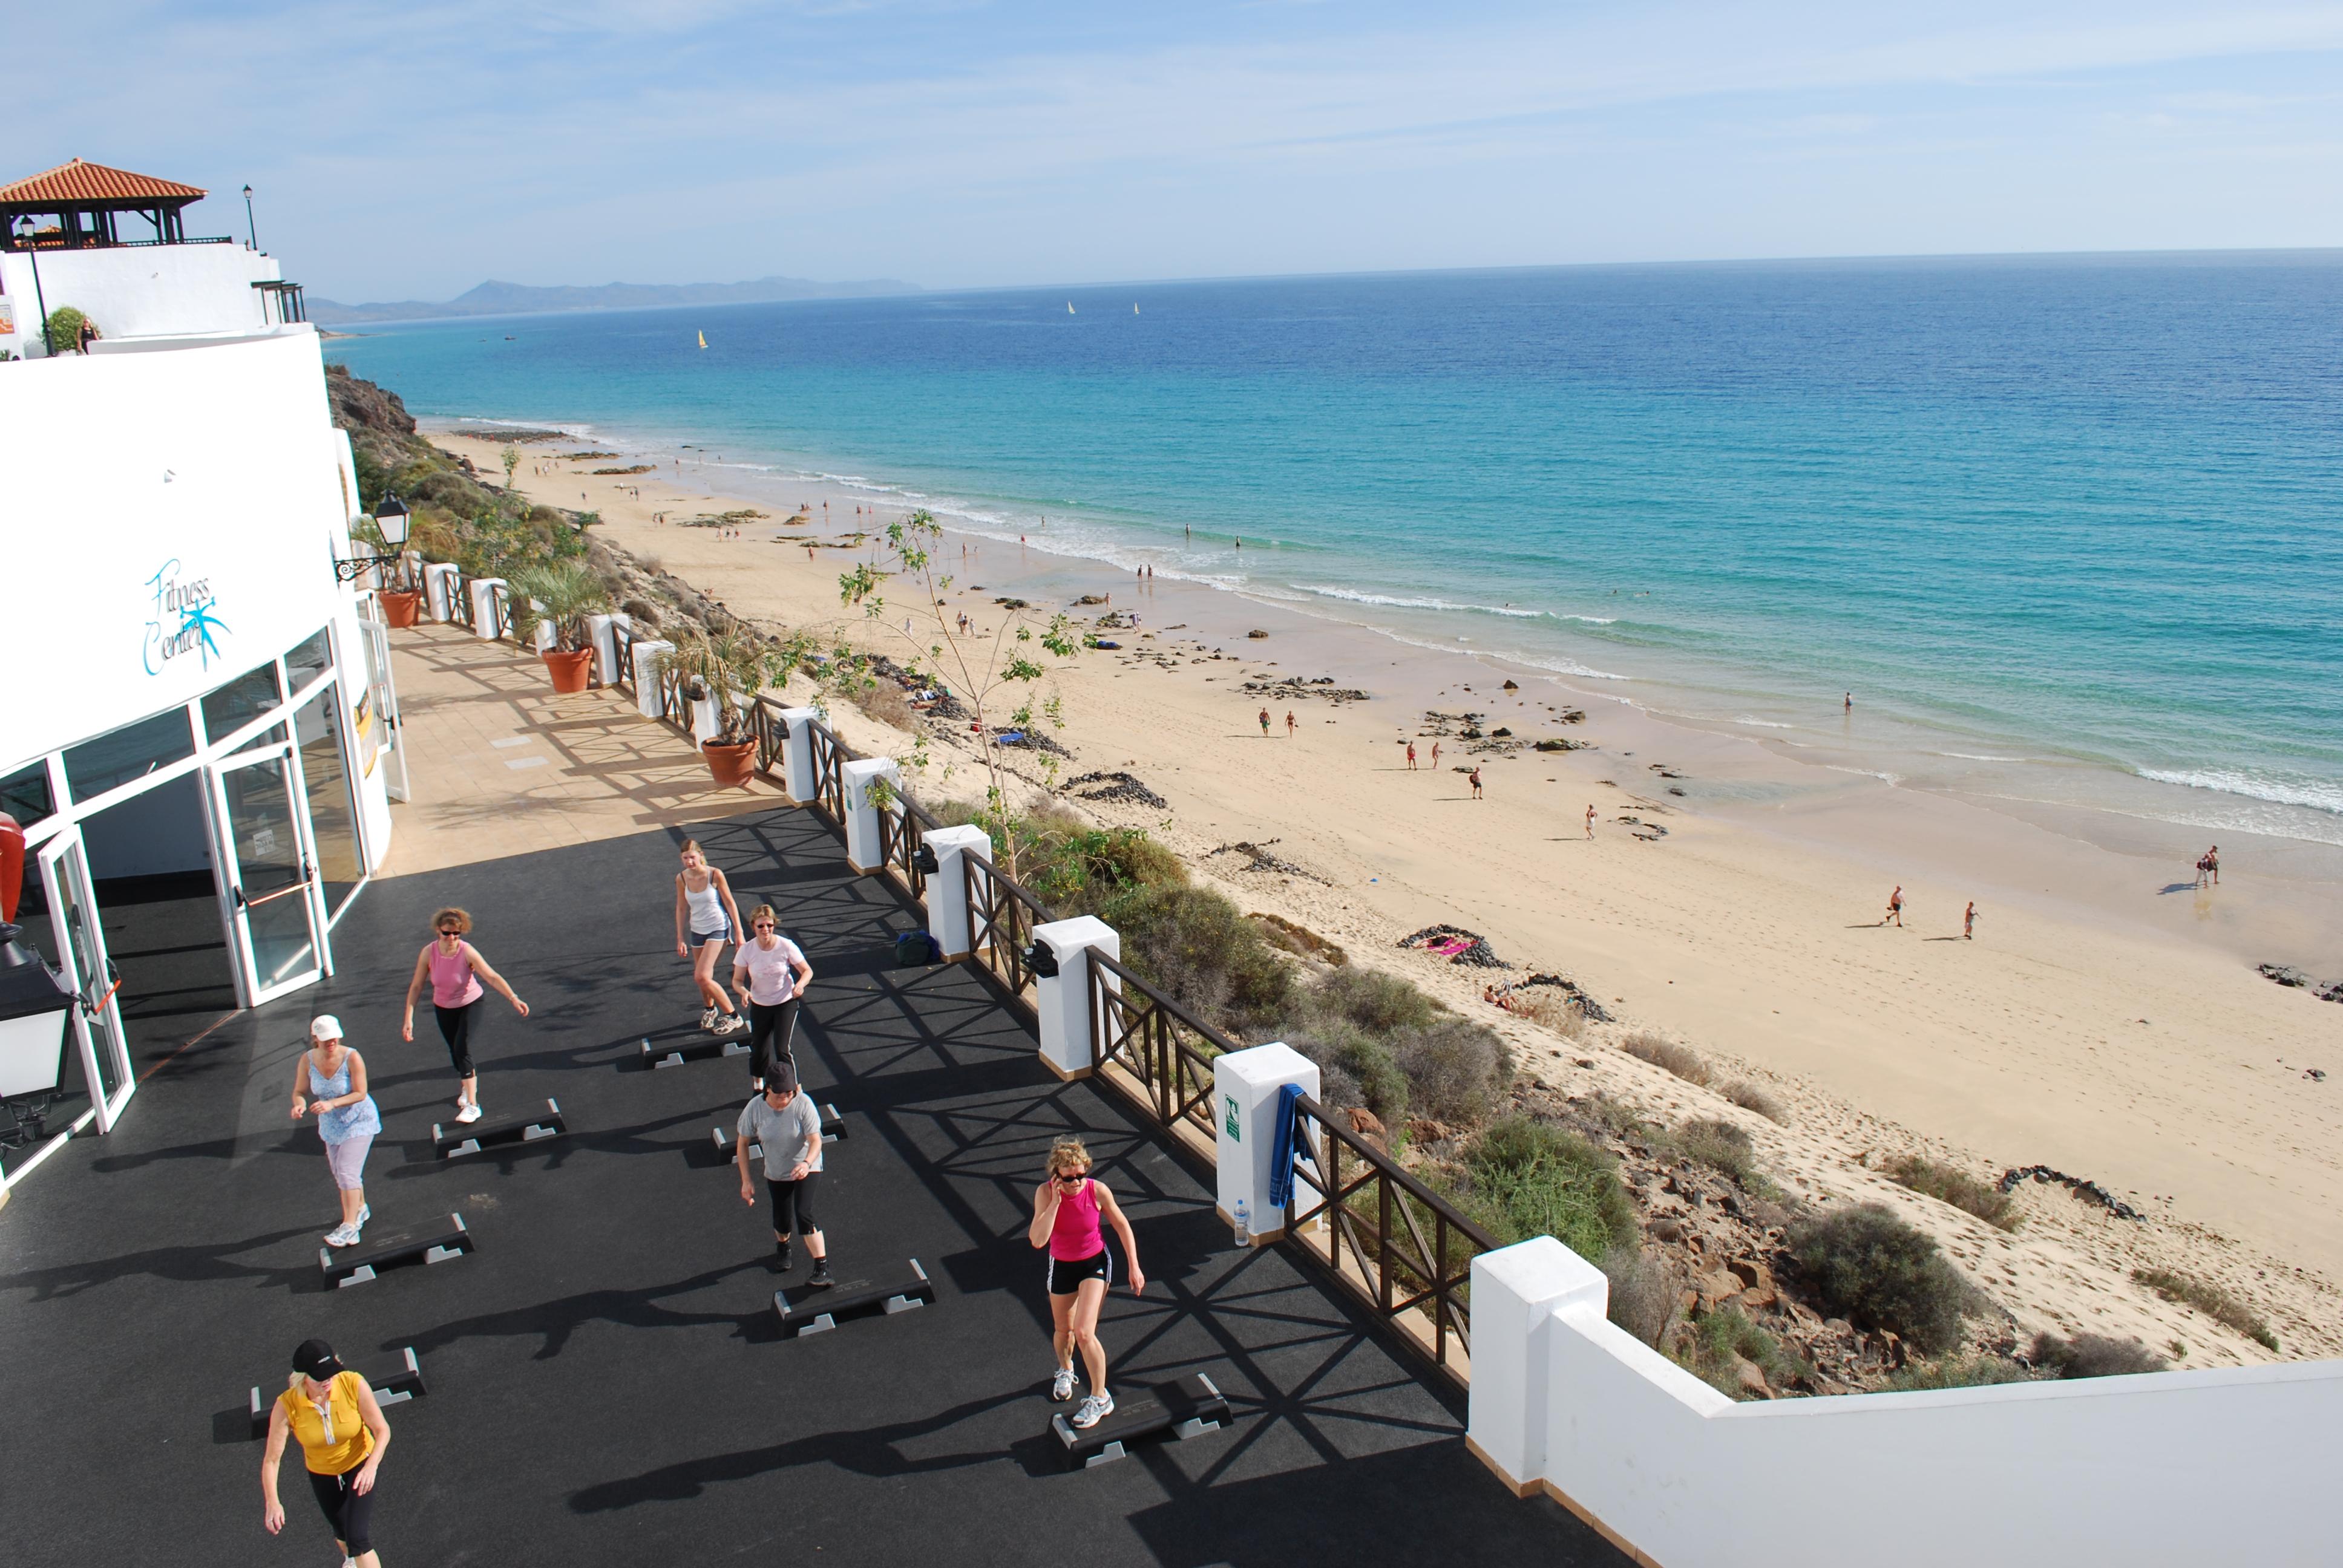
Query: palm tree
x=569 y=590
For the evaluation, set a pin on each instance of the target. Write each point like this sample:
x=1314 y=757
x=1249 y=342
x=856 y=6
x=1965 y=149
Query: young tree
x=986 y=674
x=512 y=456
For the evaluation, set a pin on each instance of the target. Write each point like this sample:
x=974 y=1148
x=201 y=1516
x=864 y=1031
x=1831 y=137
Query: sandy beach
x=2099 y=1023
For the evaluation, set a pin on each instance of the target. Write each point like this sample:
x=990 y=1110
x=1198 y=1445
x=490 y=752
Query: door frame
x=64 y=855
x=252 y=987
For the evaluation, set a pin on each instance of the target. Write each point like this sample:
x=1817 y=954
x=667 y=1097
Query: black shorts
x=793 y=1204
x=349 y=1512
x=456 y=1029
x=1066 y=1278
x=770 y=1029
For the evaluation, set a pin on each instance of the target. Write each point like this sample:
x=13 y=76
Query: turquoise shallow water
x=2070 y=529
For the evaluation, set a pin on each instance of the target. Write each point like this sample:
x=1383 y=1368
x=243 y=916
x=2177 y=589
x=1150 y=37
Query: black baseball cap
x=782 y=1080
x=316 y=1361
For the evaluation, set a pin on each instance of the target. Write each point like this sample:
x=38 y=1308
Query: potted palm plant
x=569 y=591
x=727 y=668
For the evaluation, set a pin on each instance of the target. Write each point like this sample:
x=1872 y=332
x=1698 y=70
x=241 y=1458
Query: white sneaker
x=365 y=1212
x=342 y=1236
x=470 y=1114
x=1062 y=1385
x=732 y=1023
x=1094 y=1409
x=707 y=1019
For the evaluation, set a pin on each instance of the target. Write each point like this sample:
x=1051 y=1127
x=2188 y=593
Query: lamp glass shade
x=392 y=519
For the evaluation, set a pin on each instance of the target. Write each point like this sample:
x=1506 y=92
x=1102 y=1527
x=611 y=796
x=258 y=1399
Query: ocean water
x=2070 y=530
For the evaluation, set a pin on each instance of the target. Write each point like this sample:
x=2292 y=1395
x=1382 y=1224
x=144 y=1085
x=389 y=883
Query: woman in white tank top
x=704 y=906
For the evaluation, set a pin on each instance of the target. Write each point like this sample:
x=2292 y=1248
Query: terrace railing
x=1401 y=1249
x=829 y=761
x=622 y=643
x=773 y=735
x=460 y=601
x=1001 y=921
x=1167 y=1053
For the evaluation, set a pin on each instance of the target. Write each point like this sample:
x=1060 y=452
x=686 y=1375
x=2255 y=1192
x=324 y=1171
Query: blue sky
x=410 y=152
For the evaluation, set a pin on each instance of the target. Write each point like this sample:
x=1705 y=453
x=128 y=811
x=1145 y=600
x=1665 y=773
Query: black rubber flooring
x=609 y=1383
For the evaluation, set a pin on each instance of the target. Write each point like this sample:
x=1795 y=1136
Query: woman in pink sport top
x=455 y=968
x=1067 y=1210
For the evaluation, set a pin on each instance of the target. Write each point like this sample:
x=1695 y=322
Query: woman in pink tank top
x=455 y=969
x=1068 y=1210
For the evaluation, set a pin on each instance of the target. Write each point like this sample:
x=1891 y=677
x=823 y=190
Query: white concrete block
x=440 y=592
x=1515 y=1292
x=600 y=638
x=1245 y=1088
x=647 y=678
x=949 y=919
x=796 y=754
x=484 y=606
x=862 y=847
x=1063 y=999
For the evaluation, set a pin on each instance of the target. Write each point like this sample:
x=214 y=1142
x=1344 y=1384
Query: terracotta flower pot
x=731 y=765
x=400 y=609
x=568 y=669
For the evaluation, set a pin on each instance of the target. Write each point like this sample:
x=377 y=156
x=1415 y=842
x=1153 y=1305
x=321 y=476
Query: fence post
x=1063 y=999
x=484 y=606
x=862 y=852
x=1245 y=1087
x=601 y=638
x=647 y=701
x=543 y=637
x=439 y=591
x=796 y=755
x=949 y=920
x=1516 y=1292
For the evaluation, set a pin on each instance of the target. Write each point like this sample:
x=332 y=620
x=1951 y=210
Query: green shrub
x=1714 y=1344
x=2210 y=1299
x=64 y=329
x=1959 y=1188
x=1341 y=1051
x=1455 y=1070
x=1749 y=1097
x=2094 y=1355
x=1646 y=1298
x=1529 y=1179
x=1978 y=1371
x=1378 y=1003
x=1664 y=1052
x=1720 y=1145
x=1193 y=944
x=1878 y=1272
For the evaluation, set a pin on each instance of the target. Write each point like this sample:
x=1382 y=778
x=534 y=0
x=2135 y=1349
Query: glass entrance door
x=81 y=955
x=268 y=873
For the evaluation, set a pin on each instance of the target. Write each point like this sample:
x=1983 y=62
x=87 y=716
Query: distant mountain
x=494 y=299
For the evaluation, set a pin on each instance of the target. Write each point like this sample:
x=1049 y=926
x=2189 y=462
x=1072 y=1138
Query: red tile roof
x=77 y=182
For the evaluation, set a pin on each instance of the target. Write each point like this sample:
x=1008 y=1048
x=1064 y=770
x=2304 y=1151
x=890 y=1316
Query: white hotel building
x=198 y=731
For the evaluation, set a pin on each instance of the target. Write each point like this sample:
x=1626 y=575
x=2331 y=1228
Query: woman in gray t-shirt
x=789 y=1127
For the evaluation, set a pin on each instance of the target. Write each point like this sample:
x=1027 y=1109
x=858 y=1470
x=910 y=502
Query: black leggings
x=456 y=1029
x=349 y=1512
x=793 y=1197
x=770 y=1031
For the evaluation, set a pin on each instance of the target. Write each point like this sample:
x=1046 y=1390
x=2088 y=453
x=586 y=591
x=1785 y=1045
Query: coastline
x=1743 y=932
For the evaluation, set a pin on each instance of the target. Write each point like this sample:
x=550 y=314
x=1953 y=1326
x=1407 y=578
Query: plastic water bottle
x=1244 y=1228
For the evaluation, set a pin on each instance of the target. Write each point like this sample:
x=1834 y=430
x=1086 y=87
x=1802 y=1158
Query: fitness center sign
x=180 y=618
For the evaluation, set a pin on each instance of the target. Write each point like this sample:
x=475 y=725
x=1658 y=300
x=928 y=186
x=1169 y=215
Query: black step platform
x=395 y=1381
x=817 y=1311
x=345 y=1266
x=676 y=1052
x=833 y=1127
x=453 y=1137
x=1185 y=1408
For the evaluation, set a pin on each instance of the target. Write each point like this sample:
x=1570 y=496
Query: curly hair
x=1068 y=1152
x=462 y=919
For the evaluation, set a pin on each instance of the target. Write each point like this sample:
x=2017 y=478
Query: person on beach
x=456 y=969
x=1067 y=1210
x=1411 y=756
x=2213 y=864
x=703 y=901
x=330 y=1080
x=788 y=1128
x=1473 y=779
x=1590 y=820
x=1968 y=922
x=1850 y=702
x=1289 y=724
x=1435 y=754
x=1264 y=724
x=332 y=1414
x=1894 y=908
x=771 y=974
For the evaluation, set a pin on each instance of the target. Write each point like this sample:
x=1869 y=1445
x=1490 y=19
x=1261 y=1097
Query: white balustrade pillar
x=1517 y=1292
x=1063 y=999
x=440 y=592
x=862 y=853
x=647 y=678
x=949 y=919
x=796 y=754
x=601 y=638
x=484 y=606
x=704 y=727
x=544 y=637
x=1245 y=1088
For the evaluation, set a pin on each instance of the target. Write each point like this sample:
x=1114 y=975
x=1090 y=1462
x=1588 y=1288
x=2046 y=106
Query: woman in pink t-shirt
x=1067 y=1211
x=455 y=969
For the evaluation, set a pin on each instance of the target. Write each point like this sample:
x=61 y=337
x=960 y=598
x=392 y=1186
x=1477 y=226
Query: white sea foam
x=1982 y=757
x=1589 y=619
x=1891 y=778
x=1404 y=601
x=1765 y=723
x=2318 y=794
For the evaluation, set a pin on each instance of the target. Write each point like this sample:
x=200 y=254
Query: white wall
x=140 y=290
x=2194 y=1467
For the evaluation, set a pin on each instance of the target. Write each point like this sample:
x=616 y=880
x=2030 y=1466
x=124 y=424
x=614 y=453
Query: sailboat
x=1069 y=307
x=1134 y=307
x=703 y=340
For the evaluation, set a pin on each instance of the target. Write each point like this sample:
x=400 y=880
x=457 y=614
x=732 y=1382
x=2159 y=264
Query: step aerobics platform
x=676 y=1052
x=451 y=1138
x=346 y=1266
x=833 y=1128
x=816 y=1310
x=394 y=1382
x=1189 y=1408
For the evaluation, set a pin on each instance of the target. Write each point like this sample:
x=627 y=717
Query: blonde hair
x=765 y=912
x=1068 y=1152
x=463 y=921
x=692 y=847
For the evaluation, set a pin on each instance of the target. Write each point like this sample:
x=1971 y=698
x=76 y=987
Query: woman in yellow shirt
x=333 y=1414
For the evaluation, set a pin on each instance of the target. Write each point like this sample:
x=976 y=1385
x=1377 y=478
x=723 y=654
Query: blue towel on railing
x=1281 y=1147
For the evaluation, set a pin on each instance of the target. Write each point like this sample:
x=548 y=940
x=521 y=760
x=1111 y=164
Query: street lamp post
x=390 y=519
x=32 y=254
x=251 y=230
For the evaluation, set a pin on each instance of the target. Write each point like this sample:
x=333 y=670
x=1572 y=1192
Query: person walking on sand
x=456 y=969
x=1411 y=756
x=1067 y=1211
x=1264 y=724
x=2213 y=864
x=1289 y=724
x=1473 y=779
x=1435 y=754
x=1850 y=702
x=703 y=899
x=1894 y=908
x=333 y=1414
x=1590 y=820
x=1968 y=922
x=330 y=1080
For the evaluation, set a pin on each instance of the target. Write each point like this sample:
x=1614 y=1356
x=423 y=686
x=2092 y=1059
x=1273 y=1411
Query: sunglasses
x=766 y=926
